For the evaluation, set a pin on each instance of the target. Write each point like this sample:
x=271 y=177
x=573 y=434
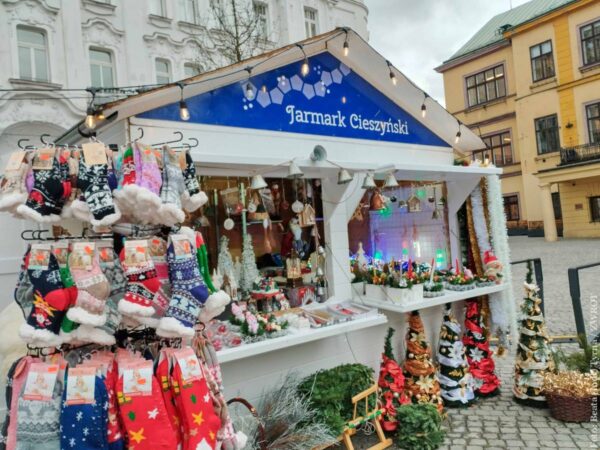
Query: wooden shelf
x=448 y=297
x=298 y=337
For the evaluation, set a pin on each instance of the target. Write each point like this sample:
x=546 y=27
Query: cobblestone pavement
x=501 y=423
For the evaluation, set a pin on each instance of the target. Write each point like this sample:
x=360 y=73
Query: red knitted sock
x=142 y=282
x=163 y=375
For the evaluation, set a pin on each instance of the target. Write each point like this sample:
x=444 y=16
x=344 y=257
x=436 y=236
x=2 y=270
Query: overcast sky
x=417 y=35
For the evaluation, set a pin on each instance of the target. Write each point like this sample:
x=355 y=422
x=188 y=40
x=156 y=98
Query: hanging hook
x=20 y=145
x=42 y=140
x=141 y=130
x=177 y=133
x=195 y=141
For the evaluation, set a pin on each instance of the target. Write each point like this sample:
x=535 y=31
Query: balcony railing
x=579 y=153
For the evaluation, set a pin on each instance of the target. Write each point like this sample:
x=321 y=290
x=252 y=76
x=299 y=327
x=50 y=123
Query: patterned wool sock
x=125 y=170
x=194 y=402
x=65 y=177
x=45 y=199
x=173 y=186
x=115 y=430
x=38 y=421
x=193 y=198
x=93 y=290
x=14 y=384
x=142 y=285
x=84 y=426
x=188 y=294
x=50 y=304
x=163 y=375
x=144 y=417
x=13 y=191
x=93 y=182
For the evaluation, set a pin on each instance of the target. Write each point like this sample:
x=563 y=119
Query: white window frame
x=191 y=12
x=261 y=13
x=32 y=47
x=102 y=64
x=196 y=66
x=169 y=73
x=310 y=22
x=162 y=6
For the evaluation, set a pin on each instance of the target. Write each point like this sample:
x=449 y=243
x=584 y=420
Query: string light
x=263 y=88
x=184 y=112
x=305 y=68
x=458 y=133
x=424 y=106
x=249 y=88
x=392 y=74
x=346 y=47
x=90 y=118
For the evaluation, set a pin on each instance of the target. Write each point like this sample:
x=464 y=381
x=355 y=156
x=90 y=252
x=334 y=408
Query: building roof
x=493 y=31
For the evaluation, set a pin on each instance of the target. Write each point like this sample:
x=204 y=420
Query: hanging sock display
x=534 y=356
x=455 y=380
x=193 y=198
x=13 y=191
x=142 y=280
x=173 y=187
x=15 y=380
x=479 y=355
x=163 y=374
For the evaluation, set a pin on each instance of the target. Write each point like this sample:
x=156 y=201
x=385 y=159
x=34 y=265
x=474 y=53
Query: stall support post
x=458 y=191
x=339 y=203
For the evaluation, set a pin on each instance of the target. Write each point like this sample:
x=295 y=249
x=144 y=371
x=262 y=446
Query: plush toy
x=493 y=267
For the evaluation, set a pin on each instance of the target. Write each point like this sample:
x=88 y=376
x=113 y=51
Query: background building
x=52 y=45
x=529 y=82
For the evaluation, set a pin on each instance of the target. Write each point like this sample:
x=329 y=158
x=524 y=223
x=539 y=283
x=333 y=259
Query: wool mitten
x=38 y=421
x=188 y=291
x=14 y=385
x=173 y=186
x=142 y=409
x=193 y=198
x=13 y=191
x=93 y=183
x=93 y=288
x=142 y=282
x=24 y=289
x=84 y=423
x=194 y=401
x=163 y=374
x=45 y=200
x=50 y=303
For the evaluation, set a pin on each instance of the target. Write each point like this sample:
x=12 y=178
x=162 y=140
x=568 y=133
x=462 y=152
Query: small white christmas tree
x=249 y=272
x=237 y=268
x=225 y=262
x=361 y=259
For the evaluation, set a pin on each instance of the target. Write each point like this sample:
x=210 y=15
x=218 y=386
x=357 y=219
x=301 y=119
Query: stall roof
x=362 y=59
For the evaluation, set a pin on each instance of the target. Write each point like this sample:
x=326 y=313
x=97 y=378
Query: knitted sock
x=125 y=194
x=115 y=431
x=13 y=191
x=65 y=177
x=188 y=292
x=84 y=425
x=173 y=186
x=24 y=289
x=148 y=181
x=142 y=285
x=193 y=198
x=144 y=417
x=194 y=401
x=67 y=326
x=38 y=421
x=14 y=384
x=49 y=305
x=92 y=292
x=163 y=375
x=93 y=182
x=44 y=201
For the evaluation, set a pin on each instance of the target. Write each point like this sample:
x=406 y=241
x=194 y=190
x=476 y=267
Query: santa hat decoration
x=489 y=257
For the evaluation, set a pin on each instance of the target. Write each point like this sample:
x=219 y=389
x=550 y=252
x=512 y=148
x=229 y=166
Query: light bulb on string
x=392 y=74
x=264 y=88
x=424 y=106
x=458 y=134
x=249 y=91
x=184 y=112
x=305 y=69
x=90 y=119
x=346 y=48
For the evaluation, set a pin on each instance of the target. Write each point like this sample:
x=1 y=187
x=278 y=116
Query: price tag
x=137 y=378
x=60 y=250
x=182 y=246
x=94 y=153
x=14 y=161
x=81 y=384
x=82 y=255
x=40 y=382
x=158 y=249
x=189 y=365
x=136 y=253
x=43 y=159
x=39 y=258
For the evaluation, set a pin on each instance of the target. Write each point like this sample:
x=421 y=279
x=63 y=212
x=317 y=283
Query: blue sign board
x=330 y=100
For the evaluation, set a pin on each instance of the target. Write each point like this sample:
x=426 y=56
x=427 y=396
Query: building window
x=191 y=70
x=33 y=54
x=546 y=134
x=590 y=43
x=593 y=122
x=158 y=8
x=542 y=61
x=262 y=18
x=486 y=86
x=595 y=209
x=163 y=71
x=499 y=149
x=191 y=11
x=101 y=68
x=511 y=207
x=311 y=22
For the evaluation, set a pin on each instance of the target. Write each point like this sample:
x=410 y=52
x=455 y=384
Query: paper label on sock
x=39 y=257
x=189 y=365
x=14 y=161
x=60 y=250
x=94 y=153
x=137 y=378
x=182 y=246
x=40 y=382
x=82 y=255
x=81 y=384
x=43 y=159
x=136 y=253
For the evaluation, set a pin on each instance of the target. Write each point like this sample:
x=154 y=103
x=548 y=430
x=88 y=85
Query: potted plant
x=461 y=281
x=376 y=282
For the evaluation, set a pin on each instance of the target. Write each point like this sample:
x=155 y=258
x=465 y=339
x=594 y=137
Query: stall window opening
x=546 y=134
x=590 y=43
x=499 y=149
x=486 y=86
x=542 y=61
x=511 y=207
x=593 y=121
x=33 y=54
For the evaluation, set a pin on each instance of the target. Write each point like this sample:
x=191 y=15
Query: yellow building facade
x=529 y=83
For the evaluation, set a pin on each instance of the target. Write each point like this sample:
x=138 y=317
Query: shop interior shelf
x=448 y=297
x=298 y=337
